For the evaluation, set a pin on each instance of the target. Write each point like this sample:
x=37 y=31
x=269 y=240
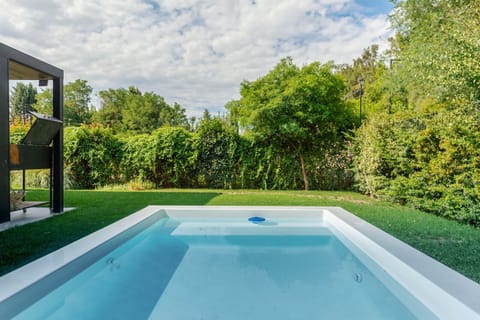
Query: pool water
x=228 y=269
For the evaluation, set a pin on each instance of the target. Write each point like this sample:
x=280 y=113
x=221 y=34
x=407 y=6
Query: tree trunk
x=304 y=173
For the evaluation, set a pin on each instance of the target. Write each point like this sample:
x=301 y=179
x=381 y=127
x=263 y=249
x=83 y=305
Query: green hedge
x=430 y=162
x=214 y=156
x=164 y=158
x=92 y=157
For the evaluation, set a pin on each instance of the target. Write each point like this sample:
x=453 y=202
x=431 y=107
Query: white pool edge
x=401 y=261
x=36 y=270
x=429 y=280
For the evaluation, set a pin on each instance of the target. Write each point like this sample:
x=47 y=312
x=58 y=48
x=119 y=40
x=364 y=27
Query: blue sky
x=375 y=6
x=194 y=52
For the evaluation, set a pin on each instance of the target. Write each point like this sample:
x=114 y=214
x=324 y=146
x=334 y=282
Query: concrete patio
x=19 y=217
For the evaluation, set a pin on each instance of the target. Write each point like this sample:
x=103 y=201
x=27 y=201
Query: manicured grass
x=457 y=246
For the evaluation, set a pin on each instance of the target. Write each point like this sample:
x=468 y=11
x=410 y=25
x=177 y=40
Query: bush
x=18 y=130
x=430 y=162
x=164 y=158
x=92 y=157
x=216 y=156
x=39 y=178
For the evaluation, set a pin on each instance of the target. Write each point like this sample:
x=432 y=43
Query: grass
x=455 y=245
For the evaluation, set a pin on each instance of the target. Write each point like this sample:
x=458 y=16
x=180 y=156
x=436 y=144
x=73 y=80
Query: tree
x=176 y=116
x=110 y=113
x=366 y=66
x=215 y=145
x=439 y=44
x=22 y=100
x=299 y=110
x=141 y=113
x=371 y=67
x=233 y=116
x=44 y=102
x=76 y=102
x=425 y=153
x=92 y=157
x=131 y=111
x=163 y=157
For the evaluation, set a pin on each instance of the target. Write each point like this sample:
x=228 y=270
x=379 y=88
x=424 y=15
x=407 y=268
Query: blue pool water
x=233 y=270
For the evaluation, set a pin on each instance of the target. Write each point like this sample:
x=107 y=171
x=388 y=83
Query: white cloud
x=192 y=52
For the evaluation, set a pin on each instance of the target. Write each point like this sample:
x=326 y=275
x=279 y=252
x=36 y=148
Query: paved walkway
x=18 y=218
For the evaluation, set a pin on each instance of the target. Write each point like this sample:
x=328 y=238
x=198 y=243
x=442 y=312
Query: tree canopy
x=296 y=109
x=128 y=110
x=76 y=100
x=439 y=48
x=22 y=100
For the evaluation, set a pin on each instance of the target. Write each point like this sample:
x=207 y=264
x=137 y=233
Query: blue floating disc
x=256 y=219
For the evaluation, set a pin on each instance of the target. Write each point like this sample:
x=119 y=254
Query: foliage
x=76 y=99
x=22 y=99
x=110 y=113
x=92 y=156
x=39 y=178
x=266 y=167
x=131 y=111
x=332 y=167
x=139 y=158
x=440 y=48
x=216 y=159
x=163 y=158
x=175 y=157
x=370 y=66
x=424 y=153
x=18 y=130
x=44 y=102
x=296 y=110
x=374 y=93
x=213 y=156
x=429 y=162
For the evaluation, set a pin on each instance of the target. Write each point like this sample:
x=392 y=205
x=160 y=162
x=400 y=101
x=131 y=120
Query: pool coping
x=431 y=272
x=452 y=283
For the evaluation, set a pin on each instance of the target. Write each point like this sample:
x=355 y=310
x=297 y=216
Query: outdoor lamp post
x=361 y=82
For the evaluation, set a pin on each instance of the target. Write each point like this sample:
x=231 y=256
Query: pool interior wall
x=446 y=293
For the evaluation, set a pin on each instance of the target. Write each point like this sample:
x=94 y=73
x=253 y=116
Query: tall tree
x=142 y=112
x=176 y=116
x=77 y=96
x=370 y=67
x=44 y=102
x=110 y=113
x=133 y=111
x=299 y=110
x=215 y=145
x=439 y=44
x=22 y=99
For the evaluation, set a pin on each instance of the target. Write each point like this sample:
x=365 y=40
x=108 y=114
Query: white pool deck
x=448 y=294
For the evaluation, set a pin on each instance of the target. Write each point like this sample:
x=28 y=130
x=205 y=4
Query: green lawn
x=457 y=246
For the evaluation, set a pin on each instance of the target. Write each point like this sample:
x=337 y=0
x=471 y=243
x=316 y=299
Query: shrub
x=216 y=156
x=92 y=157
x=164 y=158
x=430 y=162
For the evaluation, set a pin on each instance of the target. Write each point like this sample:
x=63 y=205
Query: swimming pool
x=186 y=262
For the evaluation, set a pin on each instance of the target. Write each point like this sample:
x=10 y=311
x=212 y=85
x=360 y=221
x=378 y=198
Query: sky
x=194 y=52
